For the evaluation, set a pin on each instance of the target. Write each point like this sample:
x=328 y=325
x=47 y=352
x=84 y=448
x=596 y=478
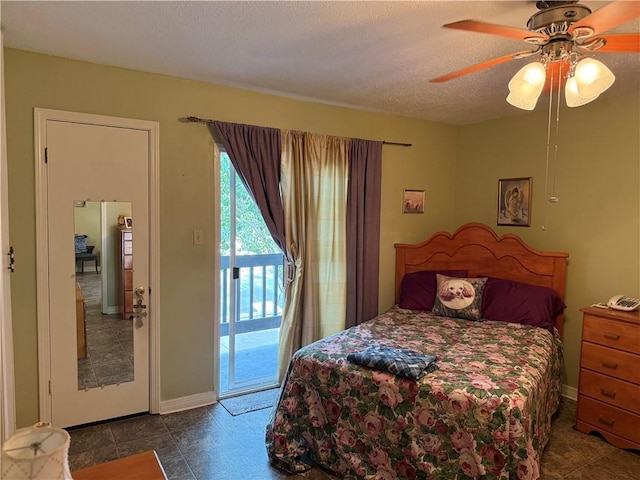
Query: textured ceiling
x=375 y=56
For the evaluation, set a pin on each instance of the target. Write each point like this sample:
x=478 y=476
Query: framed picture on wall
x=514 y=202
x=413 y=201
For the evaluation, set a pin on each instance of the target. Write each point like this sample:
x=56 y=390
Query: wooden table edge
x=142 y=466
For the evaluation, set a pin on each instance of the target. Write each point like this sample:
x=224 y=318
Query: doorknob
x=139 y=309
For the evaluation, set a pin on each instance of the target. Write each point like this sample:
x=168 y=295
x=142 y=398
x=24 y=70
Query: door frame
x=216 y=269
x=232 y=292
x=41 y=116
x=7 y=374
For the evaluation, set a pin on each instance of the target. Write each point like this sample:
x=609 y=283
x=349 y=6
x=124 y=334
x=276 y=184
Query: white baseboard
x=186 y=403
x=570 y=392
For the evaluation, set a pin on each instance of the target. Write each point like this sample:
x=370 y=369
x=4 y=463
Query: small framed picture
x=514 y=202
x=413 y=201
x=128 y=222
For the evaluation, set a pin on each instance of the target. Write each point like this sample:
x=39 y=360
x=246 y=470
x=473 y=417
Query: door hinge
x=235 y=273
x=49 y=387
x=46 y=155
x=12 y=260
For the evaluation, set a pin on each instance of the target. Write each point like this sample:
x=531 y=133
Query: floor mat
x=251 y=402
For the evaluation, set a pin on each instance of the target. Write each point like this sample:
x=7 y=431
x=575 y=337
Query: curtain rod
x=207 y=120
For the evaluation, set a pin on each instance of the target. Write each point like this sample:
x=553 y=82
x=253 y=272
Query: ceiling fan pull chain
x=553 y=198
x=546 y=173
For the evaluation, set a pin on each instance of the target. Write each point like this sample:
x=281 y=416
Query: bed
x=484 y=411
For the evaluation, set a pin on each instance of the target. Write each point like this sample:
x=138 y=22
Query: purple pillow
x=418 y=289
x=518 y=302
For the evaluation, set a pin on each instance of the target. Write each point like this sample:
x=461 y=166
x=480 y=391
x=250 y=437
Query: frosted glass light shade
x=592 y=77
x=521 y=102
x=573 y=97
x=526 y=86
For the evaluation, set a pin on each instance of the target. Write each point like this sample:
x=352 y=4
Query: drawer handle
x=607 y=421
x=608 y=393
x=611 y=336
x=608 y=364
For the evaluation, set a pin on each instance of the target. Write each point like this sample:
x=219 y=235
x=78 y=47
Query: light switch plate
x=198 y=237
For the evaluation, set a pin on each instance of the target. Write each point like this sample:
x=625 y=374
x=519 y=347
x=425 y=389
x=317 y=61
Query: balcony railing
x=259 y=304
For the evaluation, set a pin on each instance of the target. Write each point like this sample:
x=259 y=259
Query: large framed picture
x=514 y=201
x=413 y=201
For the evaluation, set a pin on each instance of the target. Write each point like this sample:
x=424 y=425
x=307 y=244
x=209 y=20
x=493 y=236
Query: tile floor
x=109 y=357
x=208 y=443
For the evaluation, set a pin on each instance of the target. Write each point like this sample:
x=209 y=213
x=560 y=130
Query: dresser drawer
x=127 y=248
x=608 y=418
x=612 y=333
x=609 y=361
x=128 y=279
x=610 y=390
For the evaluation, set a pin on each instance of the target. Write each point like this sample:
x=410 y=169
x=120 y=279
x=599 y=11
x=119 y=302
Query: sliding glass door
x=251 y=291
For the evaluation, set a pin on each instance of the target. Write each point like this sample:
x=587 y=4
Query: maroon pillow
x=418 y=289
x=518 y=302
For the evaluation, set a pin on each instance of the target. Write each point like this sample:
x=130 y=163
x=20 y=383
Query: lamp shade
x=526 y=86
x=38 y=452
x=573 y=97
x=592 y=78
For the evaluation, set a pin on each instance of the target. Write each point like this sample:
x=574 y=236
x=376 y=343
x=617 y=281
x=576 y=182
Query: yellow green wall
x=597 y=182
x=596 y=220
x=87 y=222
x=186 y=192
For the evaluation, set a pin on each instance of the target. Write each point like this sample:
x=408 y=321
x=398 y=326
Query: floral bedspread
x=485 y=413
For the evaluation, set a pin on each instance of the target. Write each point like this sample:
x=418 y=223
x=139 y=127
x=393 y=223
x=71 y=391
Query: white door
x=88 y=163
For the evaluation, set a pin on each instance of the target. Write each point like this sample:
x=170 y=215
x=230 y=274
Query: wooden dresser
x=609 y=388
x=125 y=284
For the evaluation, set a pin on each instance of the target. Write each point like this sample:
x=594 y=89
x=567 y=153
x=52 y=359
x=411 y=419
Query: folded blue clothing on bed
x=399 y=361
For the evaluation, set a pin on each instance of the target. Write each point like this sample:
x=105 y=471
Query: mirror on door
x=103 y=244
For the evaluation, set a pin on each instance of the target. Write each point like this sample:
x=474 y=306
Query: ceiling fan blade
x=622 y=42
x=481 y=66
x=501 y=30
x=609 y=16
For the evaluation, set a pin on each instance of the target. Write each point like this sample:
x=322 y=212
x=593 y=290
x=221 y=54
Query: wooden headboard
x=475 y=247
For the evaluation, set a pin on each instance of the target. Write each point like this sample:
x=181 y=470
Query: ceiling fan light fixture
x=522 y=102
x=529 y=80
x=592 y=77
x=526 y=86
x=562 y=31
x=573 y=97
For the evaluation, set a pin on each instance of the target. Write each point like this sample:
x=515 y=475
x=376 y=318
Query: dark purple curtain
x=255 y=154
x=363 y=230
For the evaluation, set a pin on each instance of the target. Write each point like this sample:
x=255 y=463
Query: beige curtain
x=314 y=195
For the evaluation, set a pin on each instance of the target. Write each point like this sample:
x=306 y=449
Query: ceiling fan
x=562 y=33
